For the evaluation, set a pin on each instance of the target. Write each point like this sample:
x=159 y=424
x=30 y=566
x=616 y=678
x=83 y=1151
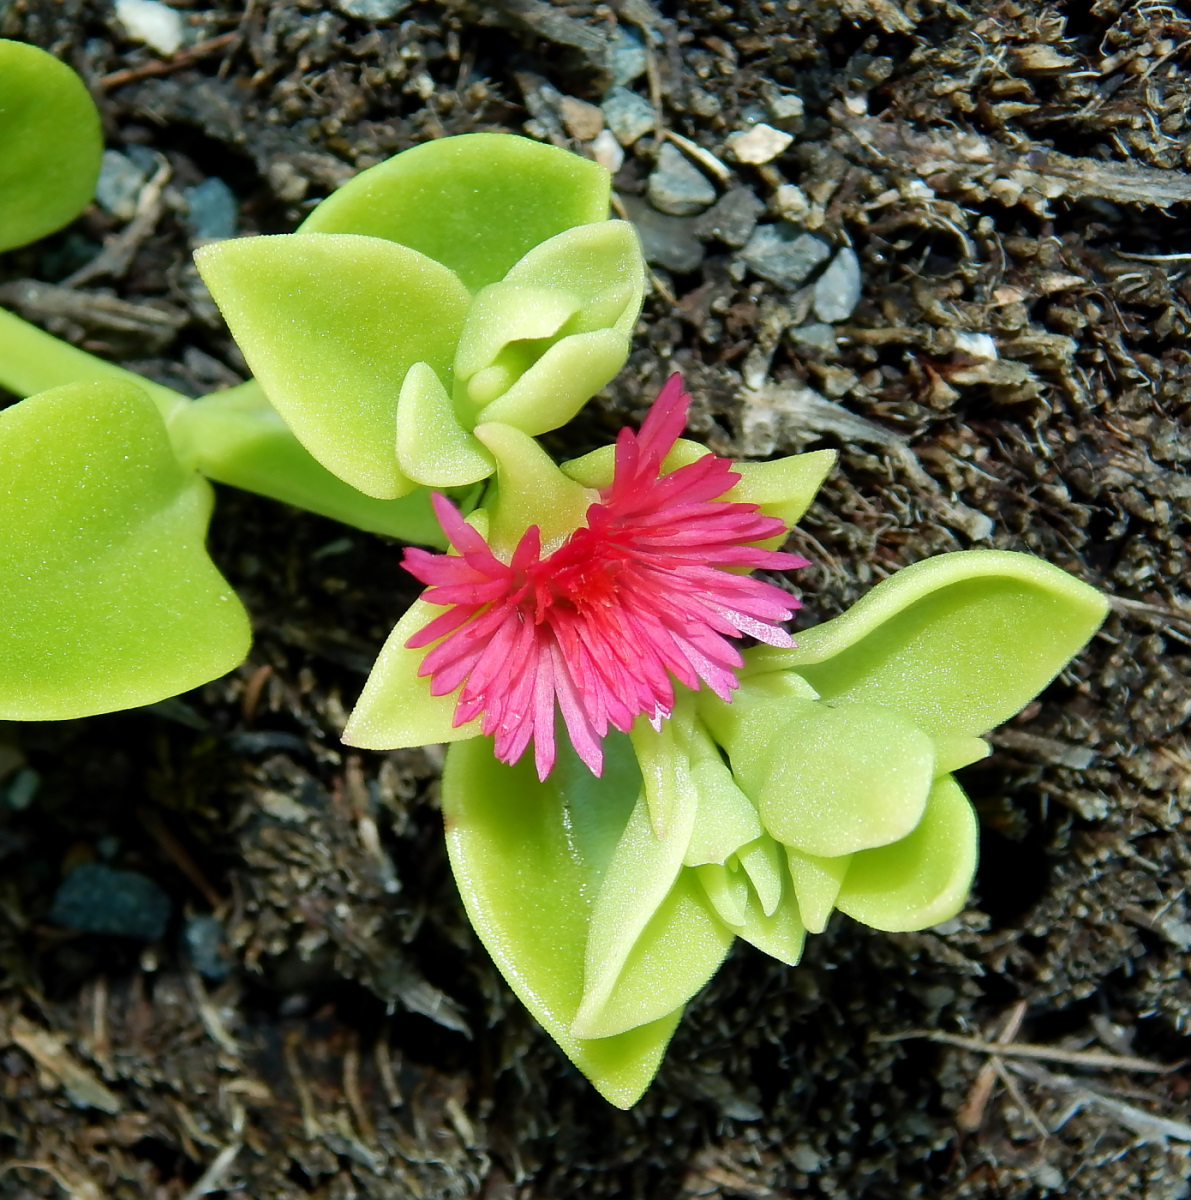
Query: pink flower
x=644 y=591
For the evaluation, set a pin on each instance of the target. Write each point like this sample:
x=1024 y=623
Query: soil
x=318 y=1019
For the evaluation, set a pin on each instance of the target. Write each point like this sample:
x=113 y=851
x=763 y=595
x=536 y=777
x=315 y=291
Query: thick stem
x=33 y=361
x=237 y=437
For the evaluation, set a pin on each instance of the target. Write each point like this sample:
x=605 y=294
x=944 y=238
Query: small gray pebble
x=95 y=898
x=732 y=218
x=206 y=947
x=783 y=253
x=213 y=211
x=627 y=115
x=119 y=185
x=837 y=290
x=372 y=10
x=676 y=186
x=667 y=241
x=817 y=335
x=626 y=55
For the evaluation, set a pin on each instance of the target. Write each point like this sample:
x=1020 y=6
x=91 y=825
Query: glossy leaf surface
x=51 y=144
x=528 y=858
x=330 y=325
x=108 y=599
x=475 y=203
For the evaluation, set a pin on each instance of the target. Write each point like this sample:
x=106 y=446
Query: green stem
x=33 y=361
x=237 y=437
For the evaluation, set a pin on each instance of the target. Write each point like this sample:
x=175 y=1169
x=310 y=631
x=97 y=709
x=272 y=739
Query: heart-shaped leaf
x=51 y=144
x=959 y=643
x=330 y=325
x=107 y=597
x=475 y=203
x=528 y=858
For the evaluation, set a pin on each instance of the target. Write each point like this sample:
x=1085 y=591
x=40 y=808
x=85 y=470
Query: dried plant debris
x=951 y=244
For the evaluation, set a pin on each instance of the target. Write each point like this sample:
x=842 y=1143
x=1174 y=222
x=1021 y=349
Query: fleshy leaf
x=727 y=889
x=108 y=599
x=476 y=203
x=840 y=779
x=432 y=447
x=558 y=385
x=396 y=708
x=679 y=950
x=654 y=941
x=783 y=488
x=541 y=342
x=51 y=144
x=765 y=865
x=330 y=325
x=960 y=642
x=528 y=858
x=817 y=882
x=237 y=437
x=924 y=878
x=726 y=818
x=595 y=469
x=531 y=490
x=779 y=933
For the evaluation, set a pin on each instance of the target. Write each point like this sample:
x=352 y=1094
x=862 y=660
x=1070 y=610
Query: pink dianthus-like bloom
x=600 y=625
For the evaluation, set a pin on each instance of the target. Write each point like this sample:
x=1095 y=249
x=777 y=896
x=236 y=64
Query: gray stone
x=95 y=898
x=817 y=335
x=667 y=241
x=732 y=218
x=213 y=211
x=119 y=185
x=372 y=10
x=627 y=115
x=626 y=55
x=783 y=253
x=837 y=290
x=676 y=186
x=206 y=947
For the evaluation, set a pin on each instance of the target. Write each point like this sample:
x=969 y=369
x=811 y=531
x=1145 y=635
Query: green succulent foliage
x=824 y=785
x=476 y=203
x=471 y=281
x=108 y=599
x=50 y=144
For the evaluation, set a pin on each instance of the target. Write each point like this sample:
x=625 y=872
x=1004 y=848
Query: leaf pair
x=50 y=144
x=469 y=281
x=608 y=903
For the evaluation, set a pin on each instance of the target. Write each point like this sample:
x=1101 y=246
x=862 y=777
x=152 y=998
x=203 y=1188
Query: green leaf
x=476 y=203
x=51 y=144
x=432 y=447
x=237 y=437
x=330 y=325
x=780 y=932
x=959 y=643
x=396 y=708
x=528 y=858
x=107 y=597
x=839 y=779
x=817 y=882
x=653 y=940
x=783 y=488
x=531 y=490
x=921 y=880
x=541 y=342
